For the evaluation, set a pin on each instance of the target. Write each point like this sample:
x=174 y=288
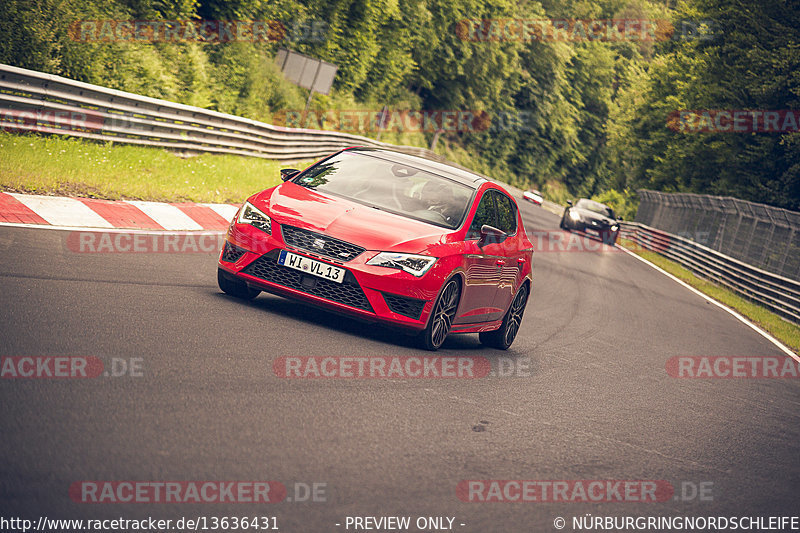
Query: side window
x=485 y=214
x=506 y=214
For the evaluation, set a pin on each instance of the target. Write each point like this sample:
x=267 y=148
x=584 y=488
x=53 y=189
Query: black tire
x=233 y=287
x=442 y=316
x=503 y=337
x=610 y=238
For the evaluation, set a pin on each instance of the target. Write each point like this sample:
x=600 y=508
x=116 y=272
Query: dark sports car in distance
x=390 y=238
x=592 y=218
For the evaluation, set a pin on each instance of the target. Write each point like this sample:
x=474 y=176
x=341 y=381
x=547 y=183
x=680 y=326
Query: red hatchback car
x=387 y=237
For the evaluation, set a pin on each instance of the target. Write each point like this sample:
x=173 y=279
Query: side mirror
x=490 y=235
x=288 y=173
x=569 y=203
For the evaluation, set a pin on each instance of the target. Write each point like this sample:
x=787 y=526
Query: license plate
x=311 y=266
x=590 y=230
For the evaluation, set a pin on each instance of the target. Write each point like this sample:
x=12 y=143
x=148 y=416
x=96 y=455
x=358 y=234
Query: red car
x=387 y=237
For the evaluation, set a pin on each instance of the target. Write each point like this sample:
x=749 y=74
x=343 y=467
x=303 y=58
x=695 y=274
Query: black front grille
x=410 y=307
x=320 y=244
x=232 y=253
x=348 y=292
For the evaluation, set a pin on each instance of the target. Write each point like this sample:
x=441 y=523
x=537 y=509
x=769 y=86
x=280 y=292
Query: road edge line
x=709 y=299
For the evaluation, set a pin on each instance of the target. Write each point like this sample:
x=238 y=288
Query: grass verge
x=786 y=332
x=63 y=166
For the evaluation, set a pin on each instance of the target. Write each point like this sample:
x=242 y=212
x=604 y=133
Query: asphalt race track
x=590 y=398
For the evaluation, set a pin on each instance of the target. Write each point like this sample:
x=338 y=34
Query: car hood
x=349 y=221
x=589 y=216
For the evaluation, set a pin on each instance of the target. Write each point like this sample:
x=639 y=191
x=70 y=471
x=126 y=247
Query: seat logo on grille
x=319 y=243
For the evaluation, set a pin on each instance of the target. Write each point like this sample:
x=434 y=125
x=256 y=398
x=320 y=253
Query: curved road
x=592 y=399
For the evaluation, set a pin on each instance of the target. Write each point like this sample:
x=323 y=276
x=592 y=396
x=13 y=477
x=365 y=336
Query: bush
x=624 y=203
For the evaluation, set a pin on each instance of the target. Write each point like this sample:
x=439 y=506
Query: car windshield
x=390 y=186
x=595 y=207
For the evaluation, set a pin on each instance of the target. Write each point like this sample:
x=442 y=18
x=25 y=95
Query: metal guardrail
x=761 y=235
x=777 y=293
x=32 y=101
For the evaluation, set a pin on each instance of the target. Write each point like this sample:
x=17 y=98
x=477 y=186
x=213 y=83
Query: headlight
x=574 y=215
x=614 y=227
x=411 y=263
x=248 y=214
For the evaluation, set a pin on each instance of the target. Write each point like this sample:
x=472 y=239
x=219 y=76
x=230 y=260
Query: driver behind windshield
x=440 y=199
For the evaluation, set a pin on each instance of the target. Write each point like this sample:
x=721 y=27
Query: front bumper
x=368 y=292
x=604 y=233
